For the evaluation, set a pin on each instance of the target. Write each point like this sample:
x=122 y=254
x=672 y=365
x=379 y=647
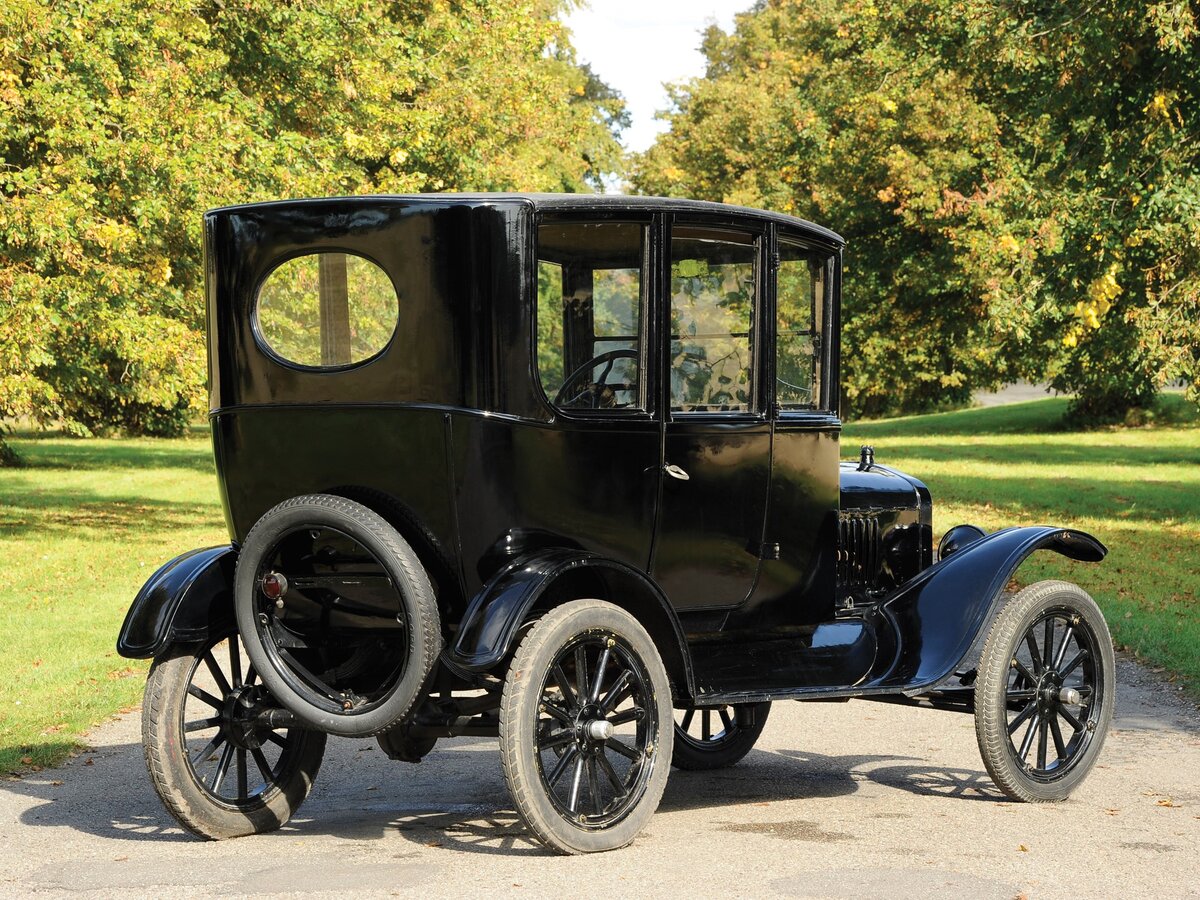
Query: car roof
x=576 y=202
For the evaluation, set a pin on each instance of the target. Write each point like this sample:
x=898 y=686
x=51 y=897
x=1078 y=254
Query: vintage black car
x=565 y=470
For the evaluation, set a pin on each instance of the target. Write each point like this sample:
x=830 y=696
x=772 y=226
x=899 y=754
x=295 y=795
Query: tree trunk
x=335 y=310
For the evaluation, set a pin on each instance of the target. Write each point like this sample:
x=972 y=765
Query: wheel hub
x=599 y=729
x=241 y=719
x=1050 y=690
x=592 y=728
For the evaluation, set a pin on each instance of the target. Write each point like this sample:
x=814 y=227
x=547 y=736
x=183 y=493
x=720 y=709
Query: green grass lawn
x=81 y=528
x=1136 y=489
x=86 y=523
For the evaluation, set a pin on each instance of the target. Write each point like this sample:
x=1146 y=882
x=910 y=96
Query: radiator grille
x=859 y=552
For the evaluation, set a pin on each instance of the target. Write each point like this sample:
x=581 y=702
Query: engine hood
x=880 y=487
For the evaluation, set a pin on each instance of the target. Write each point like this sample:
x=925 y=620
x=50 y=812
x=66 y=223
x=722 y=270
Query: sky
x=636 y=45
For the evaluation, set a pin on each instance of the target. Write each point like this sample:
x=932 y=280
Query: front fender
x=185 y=600
x=498 y=611
x=937 y=616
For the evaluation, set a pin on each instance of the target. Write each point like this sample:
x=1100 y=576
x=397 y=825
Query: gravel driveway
x=839 y=800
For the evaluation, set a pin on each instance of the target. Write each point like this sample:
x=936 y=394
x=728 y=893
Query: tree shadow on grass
x=56 y=452
x=71 y=510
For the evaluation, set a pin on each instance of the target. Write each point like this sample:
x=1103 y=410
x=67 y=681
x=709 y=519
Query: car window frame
x=646 y=368
x=760 y=233
x=264 y=345
x=825 y=324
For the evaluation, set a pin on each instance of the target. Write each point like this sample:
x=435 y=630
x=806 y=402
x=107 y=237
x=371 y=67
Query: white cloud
x=637 y=45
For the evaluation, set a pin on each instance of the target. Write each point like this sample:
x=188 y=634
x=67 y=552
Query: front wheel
x=585 y=728
x=220 y=769
x=1044 y=696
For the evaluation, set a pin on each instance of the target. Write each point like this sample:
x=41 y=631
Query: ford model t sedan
x=564 y=470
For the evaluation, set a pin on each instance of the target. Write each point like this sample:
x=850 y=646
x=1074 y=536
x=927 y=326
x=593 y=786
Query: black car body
x=622 y=399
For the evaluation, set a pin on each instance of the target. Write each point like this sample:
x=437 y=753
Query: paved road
x=1014 y=393
x=839 y=800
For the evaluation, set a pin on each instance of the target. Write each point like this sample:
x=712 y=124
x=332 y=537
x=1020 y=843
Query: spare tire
x=337 y=614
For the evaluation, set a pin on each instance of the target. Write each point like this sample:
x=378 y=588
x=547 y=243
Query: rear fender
x=550 y=577
x=186 y=600
x=937 y=616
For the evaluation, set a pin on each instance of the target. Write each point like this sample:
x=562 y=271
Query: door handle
x=675 y=472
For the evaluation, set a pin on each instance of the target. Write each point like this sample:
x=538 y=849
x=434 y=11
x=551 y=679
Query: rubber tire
x=405 y=570
x=519 y=707
x=692 y=759
x=172 y=777
x=991 y=720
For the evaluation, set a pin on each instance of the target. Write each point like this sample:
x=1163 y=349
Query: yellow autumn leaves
x=1101 y=293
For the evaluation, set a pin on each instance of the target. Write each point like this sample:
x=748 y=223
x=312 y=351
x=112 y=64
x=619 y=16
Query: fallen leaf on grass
x=26 y=760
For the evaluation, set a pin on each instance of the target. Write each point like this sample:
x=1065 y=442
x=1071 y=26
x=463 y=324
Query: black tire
x=1065 y=693
x=716 y=737
x=271 y=770
x=340 y=560
x=547 y=720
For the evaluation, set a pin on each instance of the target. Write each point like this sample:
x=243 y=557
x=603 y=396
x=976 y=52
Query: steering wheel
x=564 y=396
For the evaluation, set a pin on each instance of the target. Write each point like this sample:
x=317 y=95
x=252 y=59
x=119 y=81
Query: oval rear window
x=327 y=310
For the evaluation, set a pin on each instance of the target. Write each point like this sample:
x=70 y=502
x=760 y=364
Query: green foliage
x=829 y=111
x=1018 y=184
x=120 y=122
x=1103 y=110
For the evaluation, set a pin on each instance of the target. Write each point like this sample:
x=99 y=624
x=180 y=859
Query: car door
x=796 y=585
x=716 y=457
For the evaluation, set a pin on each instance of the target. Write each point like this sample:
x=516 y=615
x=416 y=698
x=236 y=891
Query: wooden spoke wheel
x=1044 y=696
x=214 y=758
x=585 y=728
x=714 y=737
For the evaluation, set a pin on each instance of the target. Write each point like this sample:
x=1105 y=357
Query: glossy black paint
x=901 y=507
x=187 y=599
x=925 y=629
x=514 y=506
x=939 y=612
x=542 y=579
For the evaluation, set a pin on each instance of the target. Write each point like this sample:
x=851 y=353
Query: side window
x=327 y=310
x=590 y=283
x=800 y=288
x=713 y=278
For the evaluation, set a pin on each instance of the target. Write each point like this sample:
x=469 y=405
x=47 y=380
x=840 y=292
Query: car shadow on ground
x=455 y=798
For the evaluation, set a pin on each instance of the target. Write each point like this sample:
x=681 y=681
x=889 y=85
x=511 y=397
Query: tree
x=828 y=110
x=120 y=122
x=1103 y=108
x=1018 y=184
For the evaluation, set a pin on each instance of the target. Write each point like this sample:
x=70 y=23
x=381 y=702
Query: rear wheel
x=337 y=614
x=219 y=768
x=585 y=728
x=715 y=737
x=1044 y=695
